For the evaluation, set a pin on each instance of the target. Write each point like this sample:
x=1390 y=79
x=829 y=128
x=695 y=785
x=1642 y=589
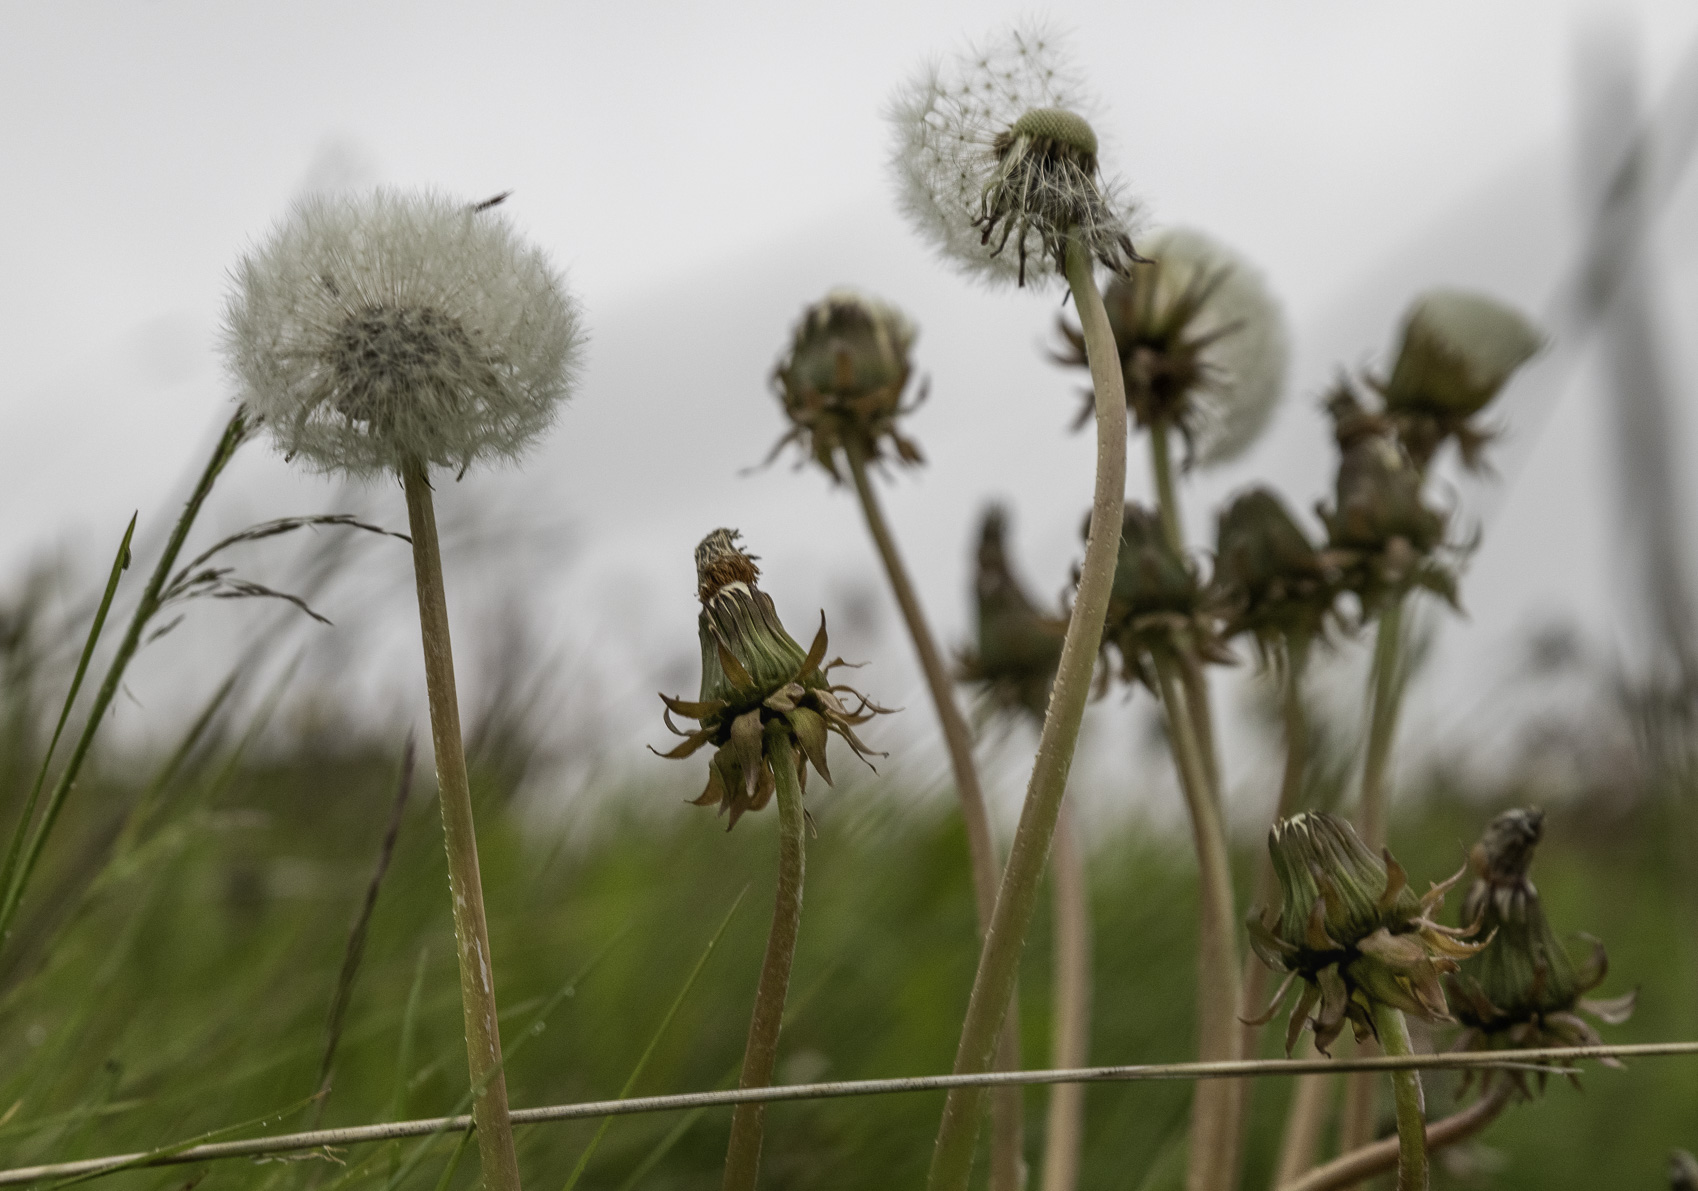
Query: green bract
x=1157 y=606
x=1524 y=990
x=1269 y=579
x=758 y=686
x=1350 y=928
x=1018 y=647
x=843 y=378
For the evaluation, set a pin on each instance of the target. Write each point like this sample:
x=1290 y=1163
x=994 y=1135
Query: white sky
x=702 y=171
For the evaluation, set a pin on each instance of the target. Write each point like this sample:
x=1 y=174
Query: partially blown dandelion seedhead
x=373 y=332
x=1018 y=648
x=1352 y=931
x=844 y=377
x=1459 y=350
x=758 y=686
x=997 y=167
x=1525 y=990
x=1158 y=606
x=1202 y=345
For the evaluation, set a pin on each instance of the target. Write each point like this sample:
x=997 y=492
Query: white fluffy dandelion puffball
x=996 y=166
x=1244 y=357
x=372 y=332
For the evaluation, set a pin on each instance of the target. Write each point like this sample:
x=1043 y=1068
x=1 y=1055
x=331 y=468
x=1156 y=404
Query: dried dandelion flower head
x=759 y=687
x=372 y=332
x=1459 y=350
x=1352 y=931
x=1018 y=647
x=997 y=168
x=1525 y=990
x=1202 y=345
x=1269 y=579
x=843 y=379
x=1158 y=606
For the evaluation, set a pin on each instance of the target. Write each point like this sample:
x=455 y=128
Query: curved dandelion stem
x=1006 y=1109
x=760 y=1054
x=1350 y=1170
x=1411 y=1104
x=993 y=985
x=465 y=885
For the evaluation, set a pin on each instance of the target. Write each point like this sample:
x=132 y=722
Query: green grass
x=185 y=989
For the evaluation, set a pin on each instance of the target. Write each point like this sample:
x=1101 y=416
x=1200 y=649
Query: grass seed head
x=372 y=330
x=759 y=687
x=997 y=166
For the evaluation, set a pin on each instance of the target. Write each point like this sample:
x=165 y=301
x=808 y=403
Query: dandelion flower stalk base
x=743 y=1156
x=471 y=932
x=993 y=985
x=1411 y=1104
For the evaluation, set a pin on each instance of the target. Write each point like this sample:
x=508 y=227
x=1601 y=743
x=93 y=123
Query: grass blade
x=654 y=1039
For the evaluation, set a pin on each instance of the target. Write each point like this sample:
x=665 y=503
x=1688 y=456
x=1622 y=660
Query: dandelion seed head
x=372 y=330
x=996 y=163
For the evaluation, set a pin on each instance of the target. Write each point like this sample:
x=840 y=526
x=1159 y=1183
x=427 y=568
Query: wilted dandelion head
x=375 y=331
x=1202 y=345
x=997 y=166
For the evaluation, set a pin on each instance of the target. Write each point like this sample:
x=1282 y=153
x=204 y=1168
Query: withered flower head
x=1018 y=647
x=1202 y=345
x=1157 y=606
x=1379 y=527
x=843 y=379
x=1269 y=579
x=758 y=686
x=1525 y=989
x=1352 y=931
x=1459 y=349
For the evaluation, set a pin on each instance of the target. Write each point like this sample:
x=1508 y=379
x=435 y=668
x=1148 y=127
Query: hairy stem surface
x=465 y=886
x=999 y=959
x=760 y=1054
x=1362 y=1093
x=1411 y=1104
x=1007 y=1140
x=1070 y=1037
x=1214 y=1106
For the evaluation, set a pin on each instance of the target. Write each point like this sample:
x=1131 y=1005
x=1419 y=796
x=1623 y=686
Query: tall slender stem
x=999 y=959
x=1411 y=1104
x=1071 y=1034
x=1214 y=1111
x=1362 y=1093
x=465 y=885
x=760 y=1054
x=1167 y=496
x=1007 y=1140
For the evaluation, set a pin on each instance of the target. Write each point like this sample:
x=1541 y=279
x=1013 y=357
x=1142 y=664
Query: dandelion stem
x=1071 y=1035
x=1362 y=1093
x=1006 y=1109
x=465 y=885
x=760 y=1054
x=1214 y=1115
x=999 y=959
x=1353 y=1168
x=1167 y=497
x=235 y=432
x=1411 y=1105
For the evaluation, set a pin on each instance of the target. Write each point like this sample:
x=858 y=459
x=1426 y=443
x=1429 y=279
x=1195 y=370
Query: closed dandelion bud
x=1202 y=345
x=1017 y=648
x=843 y=379
x=997 y=167
x=1525 y=990
x=758 y=686
x=1351 y=930
x=372 y=333
x=1157 y=604
x=1269 y=579
x=1459 y=349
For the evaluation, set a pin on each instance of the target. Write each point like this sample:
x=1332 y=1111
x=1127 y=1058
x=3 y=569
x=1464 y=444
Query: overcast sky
x=701 y=172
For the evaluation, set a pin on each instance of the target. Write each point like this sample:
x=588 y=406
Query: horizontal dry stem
x=1544 y=1058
